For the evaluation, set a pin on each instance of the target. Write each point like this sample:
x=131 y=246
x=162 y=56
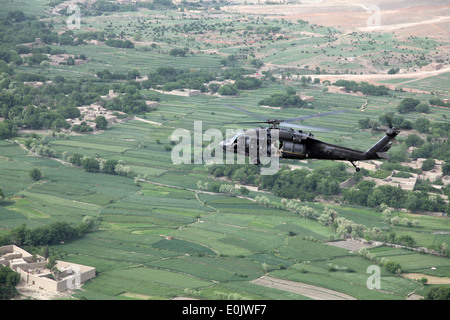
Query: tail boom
x=379 y=149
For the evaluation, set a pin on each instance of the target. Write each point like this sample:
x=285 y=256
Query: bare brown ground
x=431 y=279
x=404 y=17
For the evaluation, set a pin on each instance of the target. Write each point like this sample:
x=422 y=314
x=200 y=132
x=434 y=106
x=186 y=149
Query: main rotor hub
x=274 y=122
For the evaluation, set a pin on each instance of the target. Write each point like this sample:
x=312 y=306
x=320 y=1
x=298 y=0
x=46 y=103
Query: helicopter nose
x=223 y=145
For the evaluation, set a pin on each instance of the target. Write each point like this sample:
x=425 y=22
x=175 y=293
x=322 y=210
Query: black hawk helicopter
x=296 y=144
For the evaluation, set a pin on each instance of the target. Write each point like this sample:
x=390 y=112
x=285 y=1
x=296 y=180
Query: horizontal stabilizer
x=382 y=155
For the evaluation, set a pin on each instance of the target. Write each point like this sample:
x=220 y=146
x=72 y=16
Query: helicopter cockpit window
x=232 y=140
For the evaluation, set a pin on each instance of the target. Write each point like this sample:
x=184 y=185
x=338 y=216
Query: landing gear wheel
x=356 y=168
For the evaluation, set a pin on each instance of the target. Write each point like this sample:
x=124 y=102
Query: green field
x=161 y=236
x=219 y=244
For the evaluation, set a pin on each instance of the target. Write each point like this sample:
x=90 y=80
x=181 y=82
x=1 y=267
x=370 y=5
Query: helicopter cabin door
x=292 y=150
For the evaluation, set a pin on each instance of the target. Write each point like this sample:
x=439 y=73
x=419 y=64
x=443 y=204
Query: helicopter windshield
x=233 y=138
x=231 y=141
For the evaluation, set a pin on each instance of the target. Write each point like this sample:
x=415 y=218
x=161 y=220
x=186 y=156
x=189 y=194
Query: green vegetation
x=36 y=174
x=114 y=200
x=282 y=100
x=8 y=281
x=439 y=293
x=363 y=87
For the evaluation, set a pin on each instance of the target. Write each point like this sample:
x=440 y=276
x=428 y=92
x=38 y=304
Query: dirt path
x=147 y=121
x=379 y=77
x=307 y=290
x=431 y=279
x=390 y=27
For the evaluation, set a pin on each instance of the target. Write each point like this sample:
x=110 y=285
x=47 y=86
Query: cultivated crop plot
x=206 y=151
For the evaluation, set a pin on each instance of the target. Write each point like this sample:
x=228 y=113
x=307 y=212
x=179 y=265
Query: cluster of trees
x=128 y=103
x=82 y=127
x=365 y=194
x=38 y=145
x=95 y=164
x=439 y=102
x=178 y=52
x=305 y=185
x=16 y=28
x=364 y=87
x=169 y=78
x=437 y=144
x=47 y=106
x=393 y=70
x=248 y=83
x=102 y=7
x=7 y=129
x=119 y=43
x=284 y=100
x=50 y=234
x=411 y=104
x=421 y=124
x=291 y=184
x=325 y=181
x=438 y=293
x=108 y=75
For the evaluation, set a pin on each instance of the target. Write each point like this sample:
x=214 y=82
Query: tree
x=439 y=293
x=428 y=164
x=393 y=70
x=35 y=174
x=8 y=281
x=227 y=90
x=393 y=266
x=75 y=159
x=446 y=168
x=423 y=281
x=244 y=191
x=110 y=166
x=90 y=164
x=101 y=122
x=89 y=223
x=364 y=123
x=407 y=105
x=7 y=127
x=414 y=140
x=443 y=247
x=422 y=108
x=422 y=125
x=177 y=52
x=1 y=195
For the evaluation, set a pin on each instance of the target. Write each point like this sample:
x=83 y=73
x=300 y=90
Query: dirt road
x=307 y=290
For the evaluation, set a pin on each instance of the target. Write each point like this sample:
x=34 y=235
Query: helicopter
x=297 y=144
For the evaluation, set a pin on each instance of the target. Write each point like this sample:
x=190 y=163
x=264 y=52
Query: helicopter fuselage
x=291 y=144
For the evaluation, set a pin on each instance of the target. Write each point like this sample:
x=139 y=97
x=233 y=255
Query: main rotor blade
x=245 y=111
x=291 y=125
x=315 y=115
x=240 y=122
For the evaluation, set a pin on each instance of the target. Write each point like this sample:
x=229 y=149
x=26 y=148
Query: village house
x=33 y=271
x=152 y=104
x=91 y=112
x=110 y=95
x=307 y=98
x=432 y=175
x=372 y=165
